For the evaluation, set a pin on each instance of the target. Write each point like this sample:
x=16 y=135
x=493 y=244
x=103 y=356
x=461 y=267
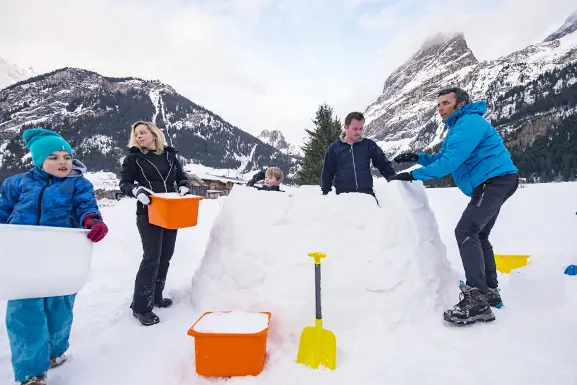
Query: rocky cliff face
x=567 y=28
x=276 y=139
x=399 y=117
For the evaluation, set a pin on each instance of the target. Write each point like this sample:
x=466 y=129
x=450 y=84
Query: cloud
x=496 y=28
x=262 y=64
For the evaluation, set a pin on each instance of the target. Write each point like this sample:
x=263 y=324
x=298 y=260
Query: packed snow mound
x=385 y=264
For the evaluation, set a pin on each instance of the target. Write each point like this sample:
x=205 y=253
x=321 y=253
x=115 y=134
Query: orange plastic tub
x=171 y=211
x=230 y=344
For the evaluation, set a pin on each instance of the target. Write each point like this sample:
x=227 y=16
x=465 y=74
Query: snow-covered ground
x=388 y=275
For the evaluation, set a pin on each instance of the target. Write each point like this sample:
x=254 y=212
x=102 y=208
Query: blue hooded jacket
x=350 y=166
x=38 y=198
x=472 y=152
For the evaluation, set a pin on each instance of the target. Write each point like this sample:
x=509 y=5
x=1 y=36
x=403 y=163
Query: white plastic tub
x=41 y=261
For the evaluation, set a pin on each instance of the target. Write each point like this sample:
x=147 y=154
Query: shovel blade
x=317 y=346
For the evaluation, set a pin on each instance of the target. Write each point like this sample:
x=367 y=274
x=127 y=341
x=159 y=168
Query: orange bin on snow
x=171 y=211
x=230 y=347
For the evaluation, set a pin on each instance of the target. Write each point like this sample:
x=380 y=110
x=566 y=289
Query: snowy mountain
x=11 y=73
x=567 y=28
x=276 y=139
x=95 y=113
x=529 y=93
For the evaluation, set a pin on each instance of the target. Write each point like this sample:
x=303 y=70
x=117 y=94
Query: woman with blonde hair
x=151 y=166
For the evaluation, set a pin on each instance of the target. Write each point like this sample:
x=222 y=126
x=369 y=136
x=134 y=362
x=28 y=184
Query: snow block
x=383 y=264
x=571 y=270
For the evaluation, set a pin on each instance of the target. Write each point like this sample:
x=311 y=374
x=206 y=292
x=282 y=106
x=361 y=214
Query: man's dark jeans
x=472 y=231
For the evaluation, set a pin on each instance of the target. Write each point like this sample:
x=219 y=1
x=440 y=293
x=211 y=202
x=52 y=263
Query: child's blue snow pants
x=38 y=330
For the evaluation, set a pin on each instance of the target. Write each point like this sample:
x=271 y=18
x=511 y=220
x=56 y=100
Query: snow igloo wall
x=384 y=264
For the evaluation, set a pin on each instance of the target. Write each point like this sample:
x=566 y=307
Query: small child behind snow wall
x=272 y=176
x=53 y=193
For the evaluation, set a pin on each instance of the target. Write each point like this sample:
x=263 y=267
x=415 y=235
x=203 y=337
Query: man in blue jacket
x=348 y=160
x=474 y=153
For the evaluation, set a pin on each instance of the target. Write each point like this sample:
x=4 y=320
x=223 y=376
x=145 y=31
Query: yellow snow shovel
x=505 y=263
x=317 y=345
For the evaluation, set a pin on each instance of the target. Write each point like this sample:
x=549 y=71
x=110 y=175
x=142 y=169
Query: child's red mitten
x=98 y=228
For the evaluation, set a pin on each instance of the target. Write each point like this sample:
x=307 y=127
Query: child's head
x=50 y=152
x=273 y=176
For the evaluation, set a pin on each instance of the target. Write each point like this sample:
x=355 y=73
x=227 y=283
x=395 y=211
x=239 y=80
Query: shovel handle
x=319 y=315
x=318 y=256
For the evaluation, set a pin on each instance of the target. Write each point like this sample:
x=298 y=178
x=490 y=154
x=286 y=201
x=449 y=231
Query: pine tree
x=327 y=130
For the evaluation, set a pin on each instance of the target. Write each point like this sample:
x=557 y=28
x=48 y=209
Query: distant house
x=212 y=186
x=197 y=185
x=109 y=194
x=215 y=194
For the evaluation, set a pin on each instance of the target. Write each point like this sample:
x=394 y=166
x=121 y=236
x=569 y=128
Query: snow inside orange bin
x=171 y=211
x=230 y=343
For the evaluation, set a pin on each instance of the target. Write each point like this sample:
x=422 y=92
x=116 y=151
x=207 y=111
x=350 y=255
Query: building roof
x=220 y=178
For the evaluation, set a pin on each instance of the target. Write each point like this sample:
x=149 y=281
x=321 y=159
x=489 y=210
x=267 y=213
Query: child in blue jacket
x=53 y=193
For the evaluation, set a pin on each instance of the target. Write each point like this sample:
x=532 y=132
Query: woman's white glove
x=142 y=194
x=183 y=190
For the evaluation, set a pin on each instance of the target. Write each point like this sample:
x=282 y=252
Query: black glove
x=256 y=177
x=406 y=176
x=407 y=157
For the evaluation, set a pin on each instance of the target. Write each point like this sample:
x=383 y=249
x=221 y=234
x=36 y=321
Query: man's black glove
x=256 y=177
x=407 y=157
x=406 y=176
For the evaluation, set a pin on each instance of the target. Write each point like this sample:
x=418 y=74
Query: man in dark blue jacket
x=474 y=153
x=348 y=160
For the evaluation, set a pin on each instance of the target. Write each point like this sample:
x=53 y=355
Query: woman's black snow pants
x=158 y=245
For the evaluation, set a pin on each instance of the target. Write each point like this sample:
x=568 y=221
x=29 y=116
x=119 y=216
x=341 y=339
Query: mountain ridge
x=11 y=73
x=568 y=27
x=94 y=113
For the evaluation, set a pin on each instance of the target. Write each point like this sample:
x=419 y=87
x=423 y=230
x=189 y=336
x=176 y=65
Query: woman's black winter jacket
x=159 y=173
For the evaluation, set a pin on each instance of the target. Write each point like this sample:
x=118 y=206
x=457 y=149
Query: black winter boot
x=494 y=298
x=164 y=302
x=472 y=307
x=147 y=319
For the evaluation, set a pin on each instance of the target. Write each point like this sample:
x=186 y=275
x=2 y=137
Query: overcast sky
x=263 y=64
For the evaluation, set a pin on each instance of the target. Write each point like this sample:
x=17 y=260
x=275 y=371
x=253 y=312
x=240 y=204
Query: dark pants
x=472 y=231
x=158 y=246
